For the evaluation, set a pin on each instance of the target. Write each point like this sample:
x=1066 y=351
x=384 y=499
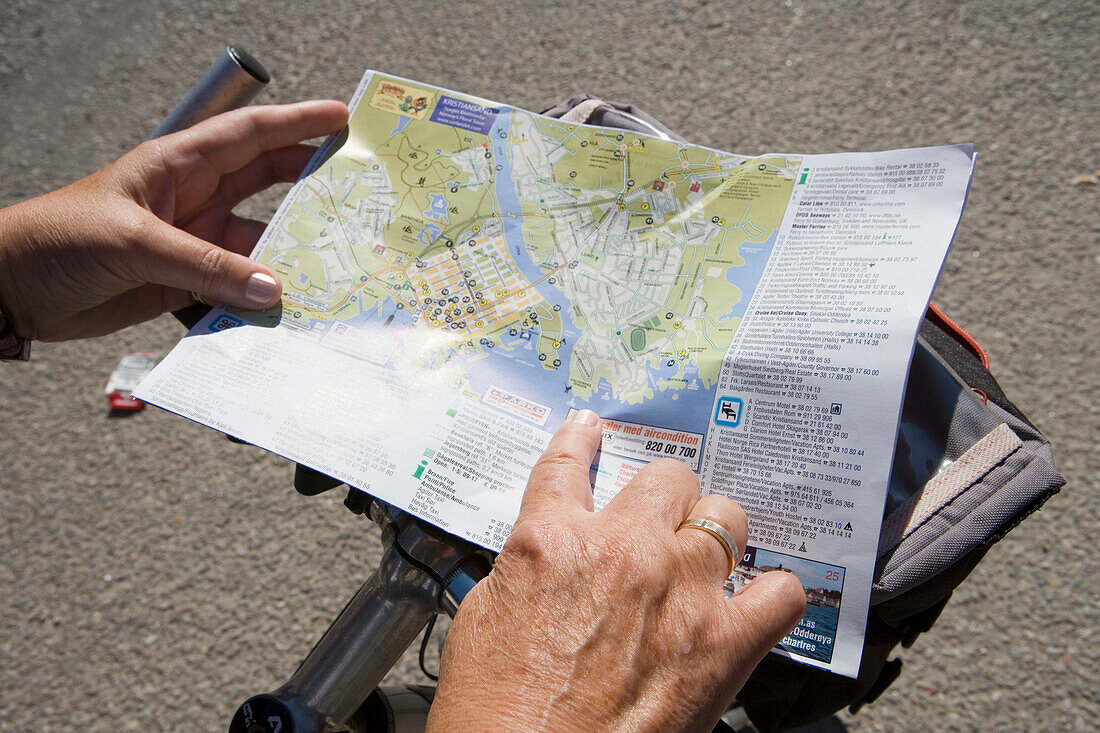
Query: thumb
x=767 y=608
x=171 y=257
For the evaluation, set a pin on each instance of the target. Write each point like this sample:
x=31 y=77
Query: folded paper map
x=458 y=275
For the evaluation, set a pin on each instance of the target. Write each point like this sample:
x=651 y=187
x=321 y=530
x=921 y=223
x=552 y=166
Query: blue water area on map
x=437 y=209
x=401 y=317
x=303 y=278
x=385 y=313
x=429 y=234
x=745 y=277
x=402 y=120
x=679 y=409
x=514 y=365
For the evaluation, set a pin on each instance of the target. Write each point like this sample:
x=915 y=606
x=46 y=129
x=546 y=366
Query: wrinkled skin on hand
x=609 y=620
x=137 y=238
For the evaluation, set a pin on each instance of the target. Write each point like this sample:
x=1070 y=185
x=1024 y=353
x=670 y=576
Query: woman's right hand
x=609 y=620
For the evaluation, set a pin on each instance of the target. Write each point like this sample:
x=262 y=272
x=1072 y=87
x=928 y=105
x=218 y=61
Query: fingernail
x=584 y=417
x=260 y=289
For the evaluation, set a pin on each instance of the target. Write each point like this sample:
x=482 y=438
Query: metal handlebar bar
x=423 y=572
x=232 y=81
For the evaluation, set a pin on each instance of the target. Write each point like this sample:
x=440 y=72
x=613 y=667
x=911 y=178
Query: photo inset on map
x=815 y=635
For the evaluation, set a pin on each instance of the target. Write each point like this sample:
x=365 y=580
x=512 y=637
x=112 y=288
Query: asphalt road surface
x=153 y=575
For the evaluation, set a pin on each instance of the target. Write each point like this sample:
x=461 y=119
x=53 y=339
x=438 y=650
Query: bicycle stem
x=363 y=643
x=423 y=571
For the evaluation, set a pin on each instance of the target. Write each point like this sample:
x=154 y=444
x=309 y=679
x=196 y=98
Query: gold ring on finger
x=716 y=531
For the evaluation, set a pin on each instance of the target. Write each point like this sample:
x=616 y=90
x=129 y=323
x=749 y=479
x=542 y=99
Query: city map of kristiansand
x=459 y=275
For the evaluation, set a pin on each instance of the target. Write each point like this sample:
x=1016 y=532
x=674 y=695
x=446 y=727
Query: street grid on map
x=641 y=237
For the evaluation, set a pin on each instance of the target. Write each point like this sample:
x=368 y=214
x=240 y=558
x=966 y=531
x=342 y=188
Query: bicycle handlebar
x=232 y=81
x=423 y=571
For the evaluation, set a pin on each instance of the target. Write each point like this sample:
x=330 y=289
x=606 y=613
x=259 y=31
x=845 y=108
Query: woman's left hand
x=137 y=238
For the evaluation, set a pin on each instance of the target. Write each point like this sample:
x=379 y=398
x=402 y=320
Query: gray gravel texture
x=152 y=574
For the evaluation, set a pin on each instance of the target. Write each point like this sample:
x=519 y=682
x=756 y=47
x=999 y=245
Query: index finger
x=230 y=141
x=559 y=479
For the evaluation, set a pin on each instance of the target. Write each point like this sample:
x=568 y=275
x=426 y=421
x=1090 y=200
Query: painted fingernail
x=584 y=417
x=260 y=289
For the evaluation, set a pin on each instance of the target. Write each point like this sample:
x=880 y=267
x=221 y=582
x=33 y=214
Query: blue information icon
x=728 y=412
x=224 y=323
